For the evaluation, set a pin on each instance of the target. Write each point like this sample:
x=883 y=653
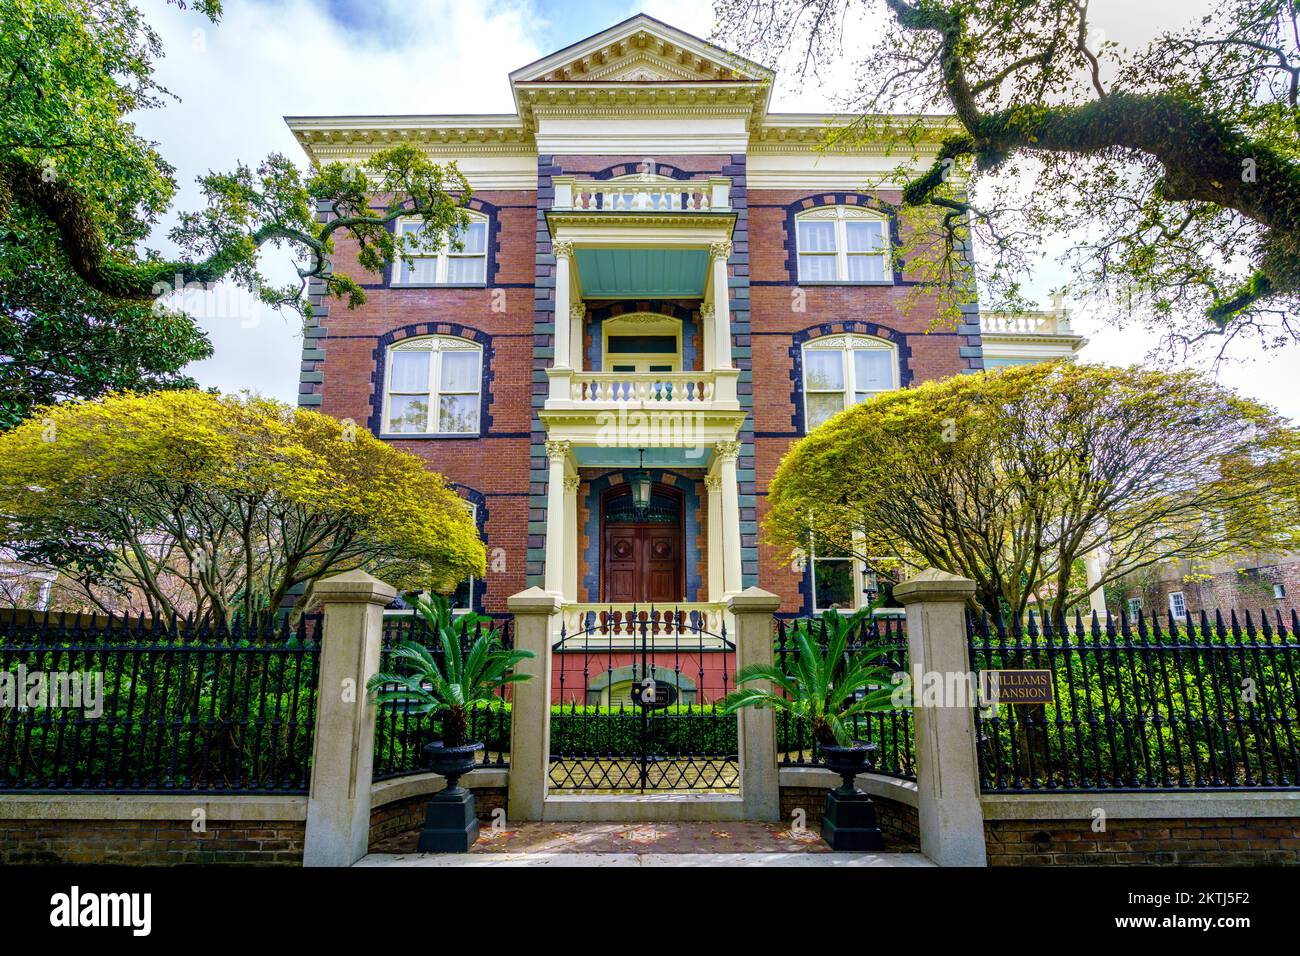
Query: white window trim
x=1134 y=607
x=840 y=215
x=1182 y=599
x=860 y=576
x=435 y=345
x=442 y=257
x=846 y=345
x=640 y=323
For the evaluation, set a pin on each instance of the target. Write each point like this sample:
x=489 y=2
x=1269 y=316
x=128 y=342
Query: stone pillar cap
x=934 y=585
x=354 y=587
x=535 y=601
x=753 y=600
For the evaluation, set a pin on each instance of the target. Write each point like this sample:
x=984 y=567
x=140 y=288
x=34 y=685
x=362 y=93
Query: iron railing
x=400 y=737
x=890 y=731
x=638 y=703
x=146 y=705
x=1204 y=704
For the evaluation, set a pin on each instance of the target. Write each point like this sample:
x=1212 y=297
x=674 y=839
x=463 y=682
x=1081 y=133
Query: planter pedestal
x=450 y=822
x=849 y=821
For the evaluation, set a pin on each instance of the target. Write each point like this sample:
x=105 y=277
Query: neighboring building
x=720 y=285
x=1254 y=583
x=1023 y=338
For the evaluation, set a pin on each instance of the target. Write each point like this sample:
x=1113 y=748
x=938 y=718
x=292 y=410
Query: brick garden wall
x=150 y=842
x=1241 y=841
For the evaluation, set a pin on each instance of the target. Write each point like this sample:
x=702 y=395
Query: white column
x=577 y=313
x=563 y=256
x=714 y=542
x=338 y=803
x=571 y=483
x=760 y=787
x=557 y=453
x=530 y=730
x=1097 y=599
x=708 y=336
x=721 y=252
x=726 y=453
x=949 y=814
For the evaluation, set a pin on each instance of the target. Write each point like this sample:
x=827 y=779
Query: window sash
x=447 y=266
x=437 y=409
x=854 y=260
x=851 y=391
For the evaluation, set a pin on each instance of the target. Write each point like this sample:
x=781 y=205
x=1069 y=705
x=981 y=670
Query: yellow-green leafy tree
x=197 y=503
x=1012 y=478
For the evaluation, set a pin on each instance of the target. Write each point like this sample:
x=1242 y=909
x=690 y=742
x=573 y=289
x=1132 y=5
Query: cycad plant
x=828 y=686
x=467 y=677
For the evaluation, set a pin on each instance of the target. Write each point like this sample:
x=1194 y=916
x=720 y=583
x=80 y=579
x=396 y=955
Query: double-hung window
x=432 y=387
x=842 y=244
x=842 y=370
x=1177 y=606
x=435 y=261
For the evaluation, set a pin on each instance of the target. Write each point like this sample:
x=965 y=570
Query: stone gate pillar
x=530 y=708
x=760 y=787
x=950 y=817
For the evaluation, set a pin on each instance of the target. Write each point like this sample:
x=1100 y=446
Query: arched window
x=843 y=244
x=432 y=386
x=841 y=370
x=437 y=263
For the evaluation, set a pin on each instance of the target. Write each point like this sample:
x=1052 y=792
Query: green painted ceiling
x=596 y=456
x=642 y=273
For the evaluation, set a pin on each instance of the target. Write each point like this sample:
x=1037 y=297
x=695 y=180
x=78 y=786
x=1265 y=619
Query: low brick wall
x=151 y=842
x=1206 y=841
x=897 y=820
x=408 y=813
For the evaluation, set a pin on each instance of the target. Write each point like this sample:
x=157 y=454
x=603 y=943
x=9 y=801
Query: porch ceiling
x=592 y=456
x=642 y=273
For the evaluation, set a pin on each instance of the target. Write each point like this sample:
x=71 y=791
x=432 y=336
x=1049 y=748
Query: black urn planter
x=450 y=822
x=849 y=821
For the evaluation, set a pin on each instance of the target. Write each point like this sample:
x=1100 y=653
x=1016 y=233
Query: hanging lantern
x=641 y=483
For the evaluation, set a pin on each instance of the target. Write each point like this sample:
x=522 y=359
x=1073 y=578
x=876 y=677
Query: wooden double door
x=642 y=561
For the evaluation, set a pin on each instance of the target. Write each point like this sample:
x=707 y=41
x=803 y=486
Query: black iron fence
x=1205 y=704
x=146 y=705
x=400 y=736
x=890 y=731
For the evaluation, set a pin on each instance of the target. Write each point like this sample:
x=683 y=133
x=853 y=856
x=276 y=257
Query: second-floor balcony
x=570 y=388
x=643 y=193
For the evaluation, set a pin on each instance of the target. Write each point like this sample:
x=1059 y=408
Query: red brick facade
x=501 y=467
x=1174 y=842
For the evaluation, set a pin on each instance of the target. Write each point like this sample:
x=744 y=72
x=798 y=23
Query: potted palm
x=467 y=678
x=828 y=685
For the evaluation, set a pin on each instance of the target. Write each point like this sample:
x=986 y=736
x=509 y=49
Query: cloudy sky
x=272 y=58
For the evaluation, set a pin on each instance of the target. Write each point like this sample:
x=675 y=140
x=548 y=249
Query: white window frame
x=860 y=575
x=436 y=345
x=442 y=257
x=840 y=215
x=1174 y=605
x=472 y=507
x=1134 y=608
x=846 y=345
x=1279 y=591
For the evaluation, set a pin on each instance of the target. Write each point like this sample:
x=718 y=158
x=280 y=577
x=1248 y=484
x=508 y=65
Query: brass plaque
x=1016 y=687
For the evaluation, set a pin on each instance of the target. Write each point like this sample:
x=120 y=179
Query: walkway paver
x=641 y=844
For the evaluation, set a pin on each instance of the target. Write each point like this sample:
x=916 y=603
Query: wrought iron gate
x=637 y=710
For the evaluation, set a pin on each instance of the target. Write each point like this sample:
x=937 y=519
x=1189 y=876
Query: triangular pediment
x=641 y=50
